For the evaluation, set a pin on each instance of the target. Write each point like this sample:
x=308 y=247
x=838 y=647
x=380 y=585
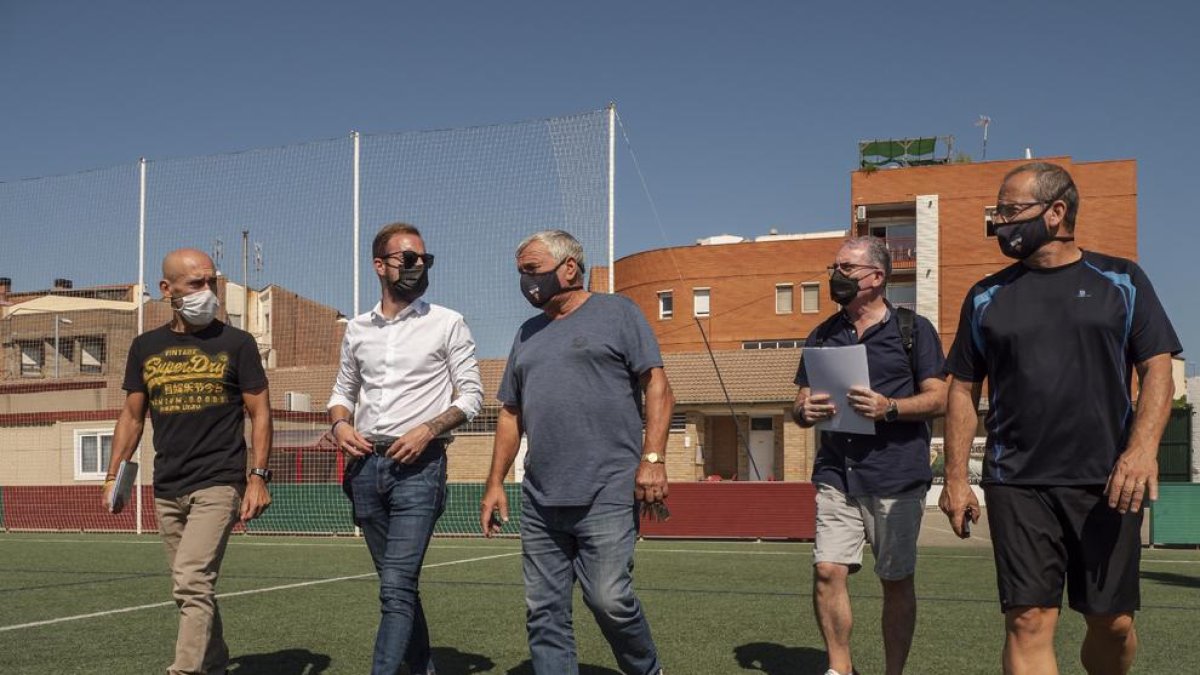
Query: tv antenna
x=984 y=121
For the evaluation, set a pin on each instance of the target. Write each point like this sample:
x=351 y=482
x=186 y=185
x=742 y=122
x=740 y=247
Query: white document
x=833 y=370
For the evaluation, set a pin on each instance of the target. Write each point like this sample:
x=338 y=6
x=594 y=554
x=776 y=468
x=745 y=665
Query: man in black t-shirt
x=1068 y=461
x=196 y=375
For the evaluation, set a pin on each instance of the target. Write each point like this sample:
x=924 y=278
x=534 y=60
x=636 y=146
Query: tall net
x=279 y=222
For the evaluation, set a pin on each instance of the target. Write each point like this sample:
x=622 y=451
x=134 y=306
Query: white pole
x=56 y=359
x=612 y=187
x=354 y=135
x=141 y=317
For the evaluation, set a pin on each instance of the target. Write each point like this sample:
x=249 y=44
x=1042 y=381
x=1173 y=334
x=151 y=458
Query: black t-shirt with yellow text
x=194 y=384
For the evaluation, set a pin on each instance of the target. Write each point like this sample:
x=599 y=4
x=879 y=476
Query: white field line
x=253 y=591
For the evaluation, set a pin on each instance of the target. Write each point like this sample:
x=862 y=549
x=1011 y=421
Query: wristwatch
x=264 y=474
x=654 y=458
x=893 y=413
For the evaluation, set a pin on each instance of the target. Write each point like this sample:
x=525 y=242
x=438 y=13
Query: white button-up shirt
x=397 y=374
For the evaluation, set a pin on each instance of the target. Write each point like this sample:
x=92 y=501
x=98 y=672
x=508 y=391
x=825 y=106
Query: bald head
x=186 y=261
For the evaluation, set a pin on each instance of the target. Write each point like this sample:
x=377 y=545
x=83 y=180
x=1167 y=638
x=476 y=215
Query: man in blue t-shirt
x=1069 y=461
x=573 y=384
x=871 y=487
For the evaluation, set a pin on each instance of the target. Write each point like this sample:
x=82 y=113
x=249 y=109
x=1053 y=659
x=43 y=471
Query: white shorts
x=891 y=524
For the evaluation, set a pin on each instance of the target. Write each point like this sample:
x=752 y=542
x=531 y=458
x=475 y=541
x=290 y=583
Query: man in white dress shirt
x=408 y=376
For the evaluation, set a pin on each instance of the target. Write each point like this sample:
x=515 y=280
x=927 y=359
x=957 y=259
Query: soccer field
x=76 y=603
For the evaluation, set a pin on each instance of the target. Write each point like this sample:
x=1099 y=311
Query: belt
x=380 y=444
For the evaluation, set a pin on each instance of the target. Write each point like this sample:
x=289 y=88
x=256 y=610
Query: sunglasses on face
x=408 y=259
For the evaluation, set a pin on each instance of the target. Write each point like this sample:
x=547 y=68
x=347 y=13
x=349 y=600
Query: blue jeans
x=595 y=545
x=396 y=505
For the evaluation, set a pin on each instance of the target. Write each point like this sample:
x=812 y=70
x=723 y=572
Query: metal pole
x=355 y=261
x=354 y=136
x=245 y=280
x=141 y=317
x=56 y=359
x=612 y=187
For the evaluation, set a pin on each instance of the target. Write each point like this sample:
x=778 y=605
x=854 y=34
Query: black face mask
x=842 y=289
x=539 y=287
x=1020 y=238
x=411 y=284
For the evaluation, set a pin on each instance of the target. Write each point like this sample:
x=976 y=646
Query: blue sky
x=744 y=115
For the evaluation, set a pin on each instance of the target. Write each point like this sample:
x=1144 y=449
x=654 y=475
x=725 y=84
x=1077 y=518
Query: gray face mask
x=411 y=284
x=199 y=309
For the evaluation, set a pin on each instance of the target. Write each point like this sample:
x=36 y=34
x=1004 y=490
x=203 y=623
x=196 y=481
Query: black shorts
x=1042 y=536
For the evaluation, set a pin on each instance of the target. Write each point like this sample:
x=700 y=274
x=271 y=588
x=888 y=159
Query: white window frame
x=804 y=309
x=80 y=474
x=791 y=288
x=660 y=295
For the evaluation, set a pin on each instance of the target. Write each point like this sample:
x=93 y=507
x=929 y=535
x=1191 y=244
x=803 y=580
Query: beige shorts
x=891 y=524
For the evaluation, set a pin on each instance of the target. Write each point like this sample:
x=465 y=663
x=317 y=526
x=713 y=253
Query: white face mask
x=200 y=308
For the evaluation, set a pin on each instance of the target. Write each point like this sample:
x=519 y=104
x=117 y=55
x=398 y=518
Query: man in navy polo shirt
x=872 y=487
x=1057 y=335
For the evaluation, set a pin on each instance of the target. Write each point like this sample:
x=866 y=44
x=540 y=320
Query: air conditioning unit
x=296 y=401
x=860 y=214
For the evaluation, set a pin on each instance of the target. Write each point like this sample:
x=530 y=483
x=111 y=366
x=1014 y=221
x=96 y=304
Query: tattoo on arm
x=448 y=420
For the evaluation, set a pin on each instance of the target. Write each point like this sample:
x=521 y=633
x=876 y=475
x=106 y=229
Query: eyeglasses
x=1006 y=212
x=408 y=259
x=848 y=268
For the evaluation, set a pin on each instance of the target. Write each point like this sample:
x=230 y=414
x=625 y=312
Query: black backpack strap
x=825 y=329
x=907 y=319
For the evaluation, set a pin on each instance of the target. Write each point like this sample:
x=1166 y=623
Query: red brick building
x=770 y=292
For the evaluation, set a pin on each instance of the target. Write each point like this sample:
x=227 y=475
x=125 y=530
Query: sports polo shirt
x=1058 y=347
x=896 y=458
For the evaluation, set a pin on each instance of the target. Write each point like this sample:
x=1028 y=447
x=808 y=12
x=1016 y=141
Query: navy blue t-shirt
x=896 y=458
x=1057 y=347
x=576 y=381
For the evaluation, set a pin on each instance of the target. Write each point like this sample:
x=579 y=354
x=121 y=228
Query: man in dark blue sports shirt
x=1069 y=461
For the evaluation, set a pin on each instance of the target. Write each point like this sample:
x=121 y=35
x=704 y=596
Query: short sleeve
x=133 y=369
x=1151 y=332
x=641 y=347
x=510 y=382
x=930 y=361
x=250 y=371
x=966 y=361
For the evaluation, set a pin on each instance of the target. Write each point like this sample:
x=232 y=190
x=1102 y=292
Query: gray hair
x=877 y=253
x=560 y=244
x=1052 y=182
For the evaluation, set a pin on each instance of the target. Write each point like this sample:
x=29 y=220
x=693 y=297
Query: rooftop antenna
x=258 y=261
x=218 y=252
x=984 y=121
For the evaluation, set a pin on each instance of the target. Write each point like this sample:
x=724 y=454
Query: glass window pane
x=783 y=299
x=105 y=451
x=810 y=298
x=701 y=300
x=88 y=457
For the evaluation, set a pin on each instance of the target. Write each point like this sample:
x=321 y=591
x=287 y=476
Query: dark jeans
x=593 y=544
x=396 y=505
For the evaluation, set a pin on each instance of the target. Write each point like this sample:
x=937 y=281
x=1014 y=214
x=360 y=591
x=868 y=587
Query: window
x=902 y=294
x=679 y=422
x=666 y=305
x=92 y=353
x=989 y=225
x=772 y=344
x=700 y=301
x=93 y=450
x=33 y=357
x=810 y=298
x=783 y=298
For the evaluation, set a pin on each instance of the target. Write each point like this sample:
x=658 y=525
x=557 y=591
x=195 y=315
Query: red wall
x=738 y=510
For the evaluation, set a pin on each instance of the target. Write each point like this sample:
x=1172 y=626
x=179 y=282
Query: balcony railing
x=902 y=249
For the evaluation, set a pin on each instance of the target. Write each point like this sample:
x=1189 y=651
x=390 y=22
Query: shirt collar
x=418 y=307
